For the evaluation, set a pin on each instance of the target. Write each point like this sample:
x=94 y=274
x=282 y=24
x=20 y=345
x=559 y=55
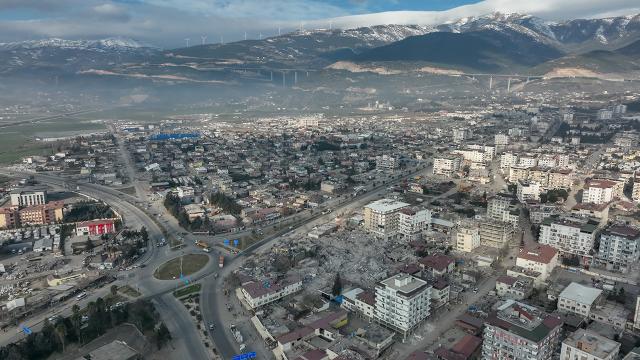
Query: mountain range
x=496 y=43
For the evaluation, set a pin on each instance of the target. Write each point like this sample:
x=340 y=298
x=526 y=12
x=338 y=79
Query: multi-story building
x=538 y=212
x=508 y=160
x=185 y=192
x=95 y=227
x=635 y=193
x=28 y=197
x=528 y=190
x=579 y=299
x=503 y=207
x=588 y=345
x=402 y=302
x=605 y=114
x=460 y=135
x=412 y=222
x=541 y=258
x=386 y=162
x=598 y=191
x=560 y=179
x=518 y=172
x=360 y=301
x=515 y=288
x=467 y=238
x=382 y=218
x=518 y=331
x=572 y=236
x=446 y=165
x=528 y=161
x=501 y=140
x=49 y=213
x=256 y=294
x=619 y=247
x=495 y=234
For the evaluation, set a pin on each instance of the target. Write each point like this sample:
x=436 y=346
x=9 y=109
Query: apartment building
x=460 y=135
x=386 y=162
x=518 y=172
x=256 y=294
x=402 y=302
x=446 y=165
x=528 y=190
x=598 y=191
x=541 y=258
x=635 y=193
x=518 y=331
x=571 y=236
x=501 y=140
x=360 y=301
x=412 y=222
x=467 y=238
x=495 y=234
x=587 y=345
x=515 y=288
x=29 y=196
x=382 y=218
x=579 y=299
x=508 y=160
x=503 y=207
x=619 y=247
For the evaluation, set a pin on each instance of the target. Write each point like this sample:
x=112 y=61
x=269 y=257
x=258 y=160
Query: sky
x=168 y=23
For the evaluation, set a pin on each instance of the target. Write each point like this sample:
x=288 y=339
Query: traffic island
x=182 y=265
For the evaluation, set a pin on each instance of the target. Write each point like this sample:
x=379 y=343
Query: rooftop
x=540 y=253
x=592 y=343
x=386 y=205
x=623 y=231
x=580 y=293
x=405 y=284
x=524 y=320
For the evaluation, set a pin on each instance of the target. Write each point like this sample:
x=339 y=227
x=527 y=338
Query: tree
x=114 y=290
x=162 y=335
x=88 y=245
x=61 y=331
x=337 y=286
x=76 y=321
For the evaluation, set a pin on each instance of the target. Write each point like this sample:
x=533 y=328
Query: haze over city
x=319 y=180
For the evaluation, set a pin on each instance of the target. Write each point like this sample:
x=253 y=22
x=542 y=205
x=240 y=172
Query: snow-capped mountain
x=71 y=55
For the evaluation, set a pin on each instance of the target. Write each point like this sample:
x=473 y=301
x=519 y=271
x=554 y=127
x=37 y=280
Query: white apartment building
x=619 y=247
x=360 y=301
x=501 y=140
x=386 y=162
x=467 y=238
x=578 y=299
x=256 y=294
x=402 y=302
x=571 y=236
x=508 y=160
x=635 y=194
x=28 y=197
x=588 y=345
x=495 y=234
x=185 y=191
x=528 y=190
x=413 y=222
x=382 y=218
x=598 y=191
x=605 y=114
x=541 y=258
x=446 y=165
x=528 y=161
x=460 y=135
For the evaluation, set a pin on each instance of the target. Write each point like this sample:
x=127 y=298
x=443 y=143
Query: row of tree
x=54 y=337
x=84 y=211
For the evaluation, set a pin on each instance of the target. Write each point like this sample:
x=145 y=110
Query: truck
x=221 y=261
x=202 y=244
x=236 y=334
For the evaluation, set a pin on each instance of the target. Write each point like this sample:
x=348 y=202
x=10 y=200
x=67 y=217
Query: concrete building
x=501 y=140
x=185 y=192
x=635 y=193
x=382 y=218
x=604 y=114
x=504 y=207
x=95 y=227
x=413 y=222
x=508 y=160
x=360 y=301
x=598 y=191
x=402 y=302
x=386 y=162
x=619 y=247
x=460 y=135
x=467 y=238
x=28 y=197
x=510 y=287
x=578 y=299
x=518 y=331
x=446 y=165
x=588 y=345
x=569 y=235
x=256 y=294
x=528 y=190
x=495 y=234
x=541 y=258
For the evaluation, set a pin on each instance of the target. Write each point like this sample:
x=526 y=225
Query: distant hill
x=484 y=50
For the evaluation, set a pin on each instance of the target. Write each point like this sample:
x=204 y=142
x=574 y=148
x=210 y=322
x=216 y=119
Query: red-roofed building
x=541 y=258
x=466 y=348
x=325 y=327
x=95 y=227
x=438 y=264
x=257 y=294
x=601 y=191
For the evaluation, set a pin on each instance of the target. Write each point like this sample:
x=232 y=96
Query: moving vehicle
x=81 y=296
x=221 y=261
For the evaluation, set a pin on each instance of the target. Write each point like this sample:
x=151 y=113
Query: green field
x=190 y=264
x=188 y=290
x=19 y=140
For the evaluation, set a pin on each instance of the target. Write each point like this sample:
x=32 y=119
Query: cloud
x=167 y=23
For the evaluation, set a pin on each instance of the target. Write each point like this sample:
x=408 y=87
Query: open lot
x=185 y=265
